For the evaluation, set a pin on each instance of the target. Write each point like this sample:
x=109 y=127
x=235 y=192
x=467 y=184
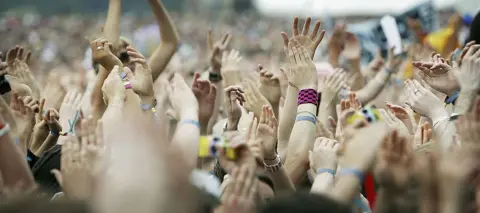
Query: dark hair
x=305 y=202
x=41 y=205
x=219 y=173
x=475 y=29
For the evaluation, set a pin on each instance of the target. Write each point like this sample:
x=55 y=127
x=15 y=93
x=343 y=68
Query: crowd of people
x=238 y=118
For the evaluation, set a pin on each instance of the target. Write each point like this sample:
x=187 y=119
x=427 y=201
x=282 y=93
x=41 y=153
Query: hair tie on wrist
x=193 y=122
x=355 y=172
x=327 y=170
x=307 y=96
x=123 y=75
x=127 y=85
x=307 y=118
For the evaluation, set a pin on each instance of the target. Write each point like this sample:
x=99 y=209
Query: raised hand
x=181 y=96
x=17 y=62
x=393 y=122
x=205 y=92
x=141 y=82
x=216 y=49
x=438 y=74
x=377 y=62
x=77 y=168
x=254 y=99
x=70 y=110
x=351 y=48
x=393 y=62
x=102 y=53
x=113 y=89
x=303 y=73
x=231 y=67
x=422 y=101
x=267 y=133
x=324 y=154
x=234 y=99
x=394 y=162
x=468 y=75
x=269 y=85
x=333 y=84
x=402 y=114
x=336 y=44
x=309 y=40
x=51 y=120
x=241 y=194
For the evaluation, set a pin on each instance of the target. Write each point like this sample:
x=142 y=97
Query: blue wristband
x=323 y=170
x=193 y=122
x=355 y=172
x=54 y=133
x=307 y=118
x=452 y=98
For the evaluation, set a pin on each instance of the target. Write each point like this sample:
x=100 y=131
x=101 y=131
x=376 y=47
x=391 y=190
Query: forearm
x=355 y=77
x=216 y=110
x=13 y=165
x=322 y=184
x=373 y=87
x=281 y=181
x=444 y=134
x=465 y=101
x=287 y=120
x=186 y=137
x=326 y=109
x=169 y=39
x=346 y=188
x=111 y=30
x=303 y=134
x=50 y=141
x=96 y=98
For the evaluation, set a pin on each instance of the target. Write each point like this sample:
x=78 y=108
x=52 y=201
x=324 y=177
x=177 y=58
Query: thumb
x=58 y=176
x=128 y=72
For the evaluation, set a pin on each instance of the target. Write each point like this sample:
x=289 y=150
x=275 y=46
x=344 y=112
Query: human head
x=305 y=202
x=475 y=29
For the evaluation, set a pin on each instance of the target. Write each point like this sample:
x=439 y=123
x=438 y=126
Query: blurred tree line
x=53 y=7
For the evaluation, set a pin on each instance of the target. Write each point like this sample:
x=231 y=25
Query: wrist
x=150 y=99
x=308 y=86
x=270 y=157
x=117 y=100
x=232 y=124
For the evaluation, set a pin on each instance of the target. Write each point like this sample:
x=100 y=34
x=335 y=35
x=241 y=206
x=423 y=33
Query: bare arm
x=287 y=120
x=169 y=39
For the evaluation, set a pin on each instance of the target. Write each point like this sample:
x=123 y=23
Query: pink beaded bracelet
x=307 y=96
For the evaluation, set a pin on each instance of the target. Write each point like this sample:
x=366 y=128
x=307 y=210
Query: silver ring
x=99 y=48
x=416 y=92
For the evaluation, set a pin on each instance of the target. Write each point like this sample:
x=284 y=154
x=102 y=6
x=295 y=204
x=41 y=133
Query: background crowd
x=238 y=112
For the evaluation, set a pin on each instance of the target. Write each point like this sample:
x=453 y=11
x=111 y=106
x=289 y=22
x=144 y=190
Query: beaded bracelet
x=123 y=76
x=150 y=107
x=127 y=85
x=307 y=96
x=209 y=146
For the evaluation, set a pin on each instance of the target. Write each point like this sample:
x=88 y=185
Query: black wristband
x=214 y=77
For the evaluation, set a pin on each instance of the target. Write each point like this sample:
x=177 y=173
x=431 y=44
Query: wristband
x=127 y=85
x=451 y=99
x=53 y=132
x=4 y=130
x=123 y=76
x=193 y=122
x=355 y=172
x=307 y=118
x=275 y=166
x=307 y=96
x=209 y=146
x=323 y=170
x=389 y=70
x=150 y=107
x=298 y=113
x=214 y=77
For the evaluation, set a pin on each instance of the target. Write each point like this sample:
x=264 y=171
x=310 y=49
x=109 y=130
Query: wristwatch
x=273 y=165
x=214 y=77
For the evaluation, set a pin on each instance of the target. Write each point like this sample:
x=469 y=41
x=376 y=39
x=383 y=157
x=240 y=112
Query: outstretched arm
x=169 y=39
